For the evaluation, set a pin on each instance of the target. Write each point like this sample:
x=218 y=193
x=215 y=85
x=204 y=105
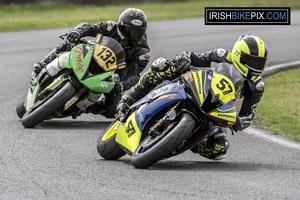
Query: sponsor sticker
x=248 y=16
x=79 y=53
x=136 y=22
x=70 y=103
x=104 y=85
x=55 y=84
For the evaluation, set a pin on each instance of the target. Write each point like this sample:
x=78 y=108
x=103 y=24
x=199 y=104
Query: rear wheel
x=154 y=148
x=44 y=108
x=107 y=146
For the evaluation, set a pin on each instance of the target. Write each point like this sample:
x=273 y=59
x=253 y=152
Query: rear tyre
x=49 y=106
x=107 y=146
x=153 y=149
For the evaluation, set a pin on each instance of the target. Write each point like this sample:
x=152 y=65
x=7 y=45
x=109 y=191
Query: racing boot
x=100 y=108
x=106 y=107
x=97 y=108
x=215 y=146
x=37 y=67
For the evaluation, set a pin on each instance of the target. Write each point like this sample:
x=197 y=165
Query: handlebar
x=64 y=36
x=81 y=40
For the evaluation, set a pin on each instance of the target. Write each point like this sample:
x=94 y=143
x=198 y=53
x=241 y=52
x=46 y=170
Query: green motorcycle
x=73 y=81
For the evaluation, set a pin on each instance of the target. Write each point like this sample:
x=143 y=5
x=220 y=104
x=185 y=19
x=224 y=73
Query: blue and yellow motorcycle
x=174 y=118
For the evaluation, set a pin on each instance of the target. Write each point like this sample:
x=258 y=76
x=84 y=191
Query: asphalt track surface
x=58 y=159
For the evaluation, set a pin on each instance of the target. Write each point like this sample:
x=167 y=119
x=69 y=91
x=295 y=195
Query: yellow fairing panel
x=222 y=86
x=129 y=134
x=197 y=76
x=111 y=131
x=105 y=57
x=229 y=117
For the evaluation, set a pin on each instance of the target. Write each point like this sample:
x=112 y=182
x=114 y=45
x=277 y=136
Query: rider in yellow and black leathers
x=249 y=56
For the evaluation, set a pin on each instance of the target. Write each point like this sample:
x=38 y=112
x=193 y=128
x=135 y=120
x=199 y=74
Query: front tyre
x=153 y=149
x=107 y=146
x=20 y=109
x=48 y=106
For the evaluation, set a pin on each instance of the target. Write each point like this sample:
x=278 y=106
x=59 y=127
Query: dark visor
x=256 y=63
x=134 y=35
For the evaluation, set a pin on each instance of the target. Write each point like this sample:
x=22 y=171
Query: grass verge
x=58 y=15
x=279 y=109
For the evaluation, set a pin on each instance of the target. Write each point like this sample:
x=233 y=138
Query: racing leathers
x=215 y=147
x=136 y=58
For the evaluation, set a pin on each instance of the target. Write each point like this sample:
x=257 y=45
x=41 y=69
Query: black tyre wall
x=20 y=109
x=109 y=149
x=57 y=101
x=182 y=131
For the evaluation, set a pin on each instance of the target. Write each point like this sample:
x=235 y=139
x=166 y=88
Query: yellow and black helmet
x=249 y=55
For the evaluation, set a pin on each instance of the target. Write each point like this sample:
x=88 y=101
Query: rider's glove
x=33 y=75
x=122 y=108
x=183 y=62
x=37 y=67
x=243 y=122
x=73 y=36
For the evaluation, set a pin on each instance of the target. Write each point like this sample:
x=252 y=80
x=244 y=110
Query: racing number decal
x=105 y=57
x=130 y=129
x=129 y=134
x=222 y=85
x=108 y=58
x=223 y=88
x=237 y=53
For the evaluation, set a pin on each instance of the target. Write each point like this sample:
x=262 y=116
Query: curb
x=280 y=68
x=267 y=135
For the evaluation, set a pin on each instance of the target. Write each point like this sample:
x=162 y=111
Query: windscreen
x=230 y=72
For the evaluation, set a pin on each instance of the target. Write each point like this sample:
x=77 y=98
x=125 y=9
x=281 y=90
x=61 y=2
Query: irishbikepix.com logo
x=247 y=16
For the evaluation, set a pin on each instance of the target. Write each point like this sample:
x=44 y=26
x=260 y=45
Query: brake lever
x=63 y=36
x=82 y=40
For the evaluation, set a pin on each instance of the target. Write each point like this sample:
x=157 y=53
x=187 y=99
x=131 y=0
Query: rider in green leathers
x=130 y=31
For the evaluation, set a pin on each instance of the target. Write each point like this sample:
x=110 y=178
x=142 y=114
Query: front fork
x=163 y=122
x=90 y=99
x=200 y=132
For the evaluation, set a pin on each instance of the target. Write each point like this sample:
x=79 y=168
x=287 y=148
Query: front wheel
x=107 y=146
x=154 y=148
x=44 y=108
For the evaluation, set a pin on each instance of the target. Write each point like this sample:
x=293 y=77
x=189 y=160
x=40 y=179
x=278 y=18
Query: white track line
x=276 y=139
x=272 y=138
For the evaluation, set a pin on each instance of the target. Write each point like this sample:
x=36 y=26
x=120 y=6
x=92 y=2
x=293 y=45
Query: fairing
x=130 y=132
x=83 y=64
x=214 y=91
x=157 y=101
